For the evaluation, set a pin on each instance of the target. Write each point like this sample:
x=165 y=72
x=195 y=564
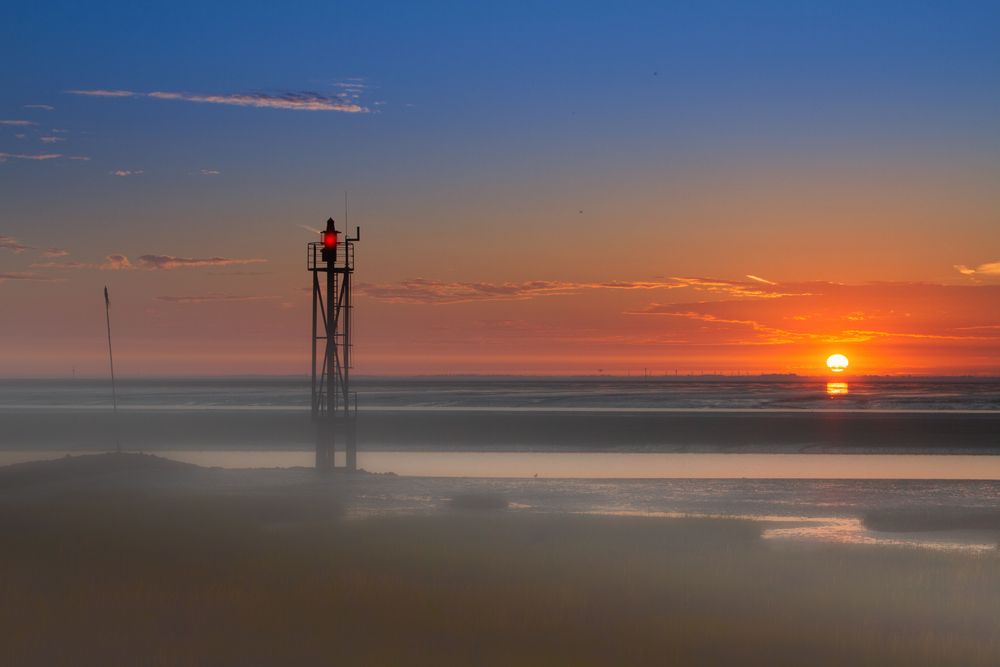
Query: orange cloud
x=168 y=262
x=988 y=269
x=759 y=288
x=213 y=298
x=830 y=313
x=10 y=243
x=423 y=290
x=21 y=275
x=745 y=325
x=116 y=263
x=63 y=265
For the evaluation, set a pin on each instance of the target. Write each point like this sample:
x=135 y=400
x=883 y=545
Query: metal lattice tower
x=332 y=408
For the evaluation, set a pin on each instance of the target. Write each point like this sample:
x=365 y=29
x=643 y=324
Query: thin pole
x=351 y=449
x=315 y=401
x=111 y=360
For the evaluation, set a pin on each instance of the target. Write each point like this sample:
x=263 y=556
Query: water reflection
x=604 y=465
x=840 y=529
x=834 y=389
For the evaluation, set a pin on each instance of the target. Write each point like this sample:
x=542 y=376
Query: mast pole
x=111 y=361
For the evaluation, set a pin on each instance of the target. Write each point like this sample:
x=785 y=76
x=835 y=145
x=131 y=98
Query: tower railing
x=344 y=251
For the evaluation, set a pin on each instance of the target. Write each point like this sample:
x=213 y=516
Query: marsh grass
x=128 y=578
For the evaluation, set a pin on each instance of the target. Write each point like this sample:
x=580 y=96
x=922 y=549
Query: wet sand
x=132 y=559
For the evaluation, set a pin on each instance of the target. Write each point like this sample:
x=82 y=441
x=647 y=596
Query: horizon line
x=529 y=376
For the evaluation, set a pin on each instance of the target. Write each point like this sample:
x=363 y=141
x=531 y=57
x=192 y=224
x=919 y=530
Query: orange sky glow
x=665 y=325
x=714 y=189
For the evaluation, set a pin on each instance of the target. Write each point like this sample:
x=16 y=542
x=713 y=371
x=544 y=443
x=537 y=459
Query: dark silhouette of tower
x=331 y=323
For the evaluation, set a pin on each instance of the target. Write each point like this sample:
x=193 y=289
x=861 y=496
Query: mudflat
x=126 y=559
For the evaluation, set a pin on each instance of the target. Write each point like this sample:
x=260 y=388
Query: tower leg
x=324 y=446
x=350 y=421
x=328 y=424
x=352 y=445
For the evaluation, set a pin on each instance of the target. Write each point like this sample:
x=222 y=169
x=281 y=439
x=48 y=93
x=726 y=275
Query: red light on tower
x=330 y=242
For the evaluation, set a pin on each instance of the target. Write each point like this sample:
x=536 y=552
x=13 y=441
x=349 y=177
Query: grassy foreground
x=210 y=579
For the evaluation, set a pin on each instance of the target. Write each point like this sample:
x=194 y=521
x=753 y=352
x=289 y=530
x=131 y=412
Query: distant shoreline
x=659 y=376
x=516 y=408
x=519 y=430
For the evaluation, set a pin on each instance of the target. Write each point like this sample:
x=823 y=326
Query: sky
x=542 y=187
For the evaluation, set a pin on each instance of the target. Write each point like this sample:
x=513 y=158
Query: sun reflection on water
x=834 y=389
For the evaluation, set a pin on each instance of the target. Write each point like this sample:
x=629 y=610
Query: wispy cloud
x=120 y=262
x=241 y=273
x=988 y=269
x=103 y=92
x=126 y=172
x=216 y=298
x=209 y=172
x=28 y=156
x=51 y=139
x=21 y=275
x=170 y=262
x=301 y=101
x=18 y=123
x=304 y=101
x=353 y=83
x=64 y=265
x=10 y=243
x=111 y=262
x=761 y=280
x=759 y=288
x=423 y=290
x=43 y=107
x=835 y=313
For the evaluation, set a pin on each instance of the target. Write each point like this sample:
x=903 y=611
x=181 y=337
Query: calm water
x=683 y=393
x=944 y=415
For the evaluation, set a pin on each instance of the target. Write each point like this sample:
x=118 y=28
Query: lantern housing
x=330 y=239
x=330 y=235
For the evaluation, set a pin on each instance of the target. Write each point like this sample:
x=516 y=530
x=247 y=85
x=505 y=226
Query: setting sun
x=837 y=363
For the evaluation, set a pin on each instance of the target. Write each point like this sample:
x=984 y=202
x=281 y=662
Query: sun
x=837 y=363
